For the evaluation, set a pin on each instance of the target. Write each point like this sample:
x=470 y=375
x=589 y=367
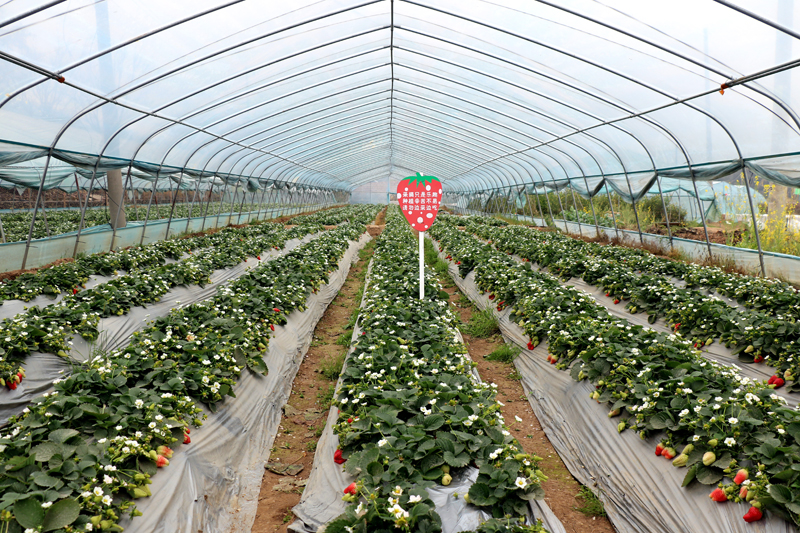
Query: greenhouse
x=399 y=265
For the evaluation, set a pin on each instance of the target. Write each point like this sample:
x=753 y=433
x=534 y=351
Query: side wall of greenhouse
x=743 y=215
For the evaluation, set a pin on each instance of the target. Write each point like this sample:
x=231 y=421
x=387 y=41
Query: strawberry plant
x=716 y=423
x=77 y=458
x=412 y=413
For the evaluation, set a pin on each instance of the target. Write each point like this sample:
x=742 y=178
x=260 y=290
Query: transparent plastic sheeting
x=341 y=92
x=213 y=484
x=641 y=492
x=322 y=502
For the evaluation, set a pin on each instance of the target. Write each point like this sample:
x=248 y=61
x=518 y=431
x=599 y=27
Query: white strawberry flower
x=521 y=482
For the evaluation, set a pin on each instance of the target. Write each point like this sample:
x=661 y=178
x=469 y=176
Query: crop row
x=49 y=329
x=769 y=295
x=412 y=412
x=16 y=225
x=361 y=213
x=722 y=422
x=756 y=335
x=78 y=457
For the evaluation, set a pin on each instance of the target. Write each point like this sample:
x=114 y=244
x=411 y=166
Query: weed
x=319 y=431
x=592 y=506
x=482 y=324
x=331 y=367
x=287 y=517
x=464 y=300
x=311 y=446
x=325 y=396
x=345 y=338
x=505 y=353
x=515 y=375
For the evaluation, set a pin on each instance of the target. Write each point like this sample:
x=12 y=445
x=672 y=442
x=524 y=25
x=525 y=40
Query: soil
x=715 y=235
x=561 y=489
x=305 y=415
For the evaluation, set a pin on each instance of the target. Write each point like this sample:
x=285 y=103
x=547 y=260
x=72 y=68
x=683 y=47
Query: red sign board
x=419 y=198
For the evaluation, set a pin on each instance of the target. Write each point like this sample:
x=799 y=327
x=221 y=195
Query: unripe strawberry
x=446 y=479
x=165 y=451
x=669 y=453
x=186 y=438
x=743 y=493
x=161 y=461
x=680 y=461
x=713 y=443
x=2 y=382
x=718 y=495
x=741 y=475
x=689 y=448
x=753 y=514
x=446 y=469
x=153 y=455
x=621 y=427
x=709 y=458
x=615 y=412
x=749 y=349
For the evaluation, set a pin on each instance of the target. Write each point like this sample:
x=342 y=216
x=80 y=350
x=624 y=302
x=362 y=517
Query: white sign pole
x=421 y=265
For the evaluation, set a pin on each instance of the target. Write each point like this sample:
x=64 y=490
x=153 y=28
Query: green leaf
x=457 y=461
x=691 y=474
x=482 y=495
x=708 y=476
x=29 y=513
x=781 y=493
x=61 y=514
x=43 y=480
x=434 y=422
x=62 y=435
x=45 y=451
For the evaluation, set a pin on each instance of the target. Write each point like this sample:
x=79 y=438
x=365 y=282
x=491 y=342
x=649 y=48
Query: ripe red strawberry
x=258 y=257
x=660 y=448
x=186 y=438
x=162 y=461
x=669 y=453
x=758 y=359
x=419 y=198
x=743 y=493
x=272 y=327
x=337 y=457
x=349 y=420
x=779 y=382
x=531 y=346
x=771 y=380
x=491 y=296
x=276 y=309
x=753 y=514
x=20 y=376
x=718 y=495
x=187 y=430
x=616 y=301
x=11 y=384
x=74 y=290
x=351 y=489
x=741 y=475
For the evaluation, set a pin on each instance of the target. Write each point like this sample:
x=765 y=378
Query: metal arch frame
x=259 y=154
x=193 y=62
x=534 y=126
x=286 y=95
x=378 y=115
x=611 y=71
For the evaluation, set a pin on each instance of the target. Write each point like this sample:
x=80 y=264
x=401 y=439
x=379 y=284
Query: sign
x=419 y=198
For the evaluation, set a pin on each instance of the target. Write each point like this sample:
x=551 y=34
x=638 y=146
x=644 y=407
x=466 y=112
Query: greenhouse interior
x=400 y=265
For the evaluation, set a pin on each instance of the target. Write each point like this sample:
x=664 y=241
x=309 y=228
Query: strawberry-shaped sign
x=419 y=198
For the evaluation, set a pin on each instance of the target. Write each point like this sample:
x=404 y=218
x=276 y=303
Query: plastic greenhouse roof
x=338 y=93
